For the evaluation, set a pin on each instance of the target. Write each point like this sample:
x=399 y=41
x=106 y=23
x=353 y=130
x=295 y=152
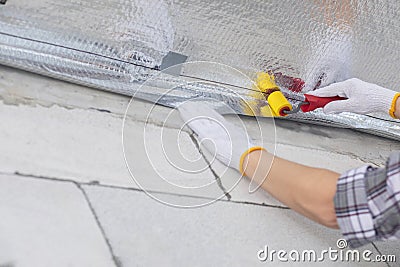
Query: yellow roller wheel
x=278 y=103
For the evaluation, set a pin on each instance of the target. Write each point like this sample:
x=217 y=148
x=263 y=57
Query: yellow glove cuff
x=248 y=151
x=393 y=106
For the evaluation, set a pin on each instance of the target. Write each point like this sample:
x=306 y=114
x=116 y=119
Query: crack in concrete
x=31 y=102
x=115 y=259
x=216 y=176
x=97 y=183
x=342 y=153
x=101 y=110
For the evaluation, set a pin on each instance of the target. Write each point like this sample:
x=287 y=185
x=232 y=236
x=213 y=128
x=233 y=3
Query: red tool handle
x=315 y=102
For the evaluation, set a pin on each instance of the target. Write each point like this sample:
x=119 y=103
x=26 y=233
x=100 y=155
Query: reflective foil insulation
x=128 y=47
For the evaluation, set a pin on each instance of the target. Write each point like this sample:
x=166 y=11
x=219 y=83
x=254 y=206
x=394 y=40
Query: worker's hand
x=228 y=142
x=362 y=97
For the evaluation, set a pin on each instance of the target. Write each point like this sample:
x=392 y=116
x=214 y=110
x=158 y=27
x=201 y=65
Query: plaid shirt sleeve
x=367 y=203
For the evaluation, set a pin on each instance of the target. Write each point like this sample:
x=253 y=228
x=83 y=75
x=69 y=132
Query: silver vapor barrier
x=128 y=47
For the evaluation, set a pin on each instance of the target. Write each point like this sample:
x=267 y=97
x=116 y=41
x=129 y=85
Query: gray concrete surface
x=68 y=199
x=48 y=223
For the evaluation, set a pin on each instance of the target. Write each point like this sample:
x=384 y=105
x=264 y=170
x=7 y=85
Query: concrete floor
x=67 y=198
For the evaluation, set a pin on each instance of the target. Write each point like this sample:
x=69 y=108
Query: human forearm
x=307 y=190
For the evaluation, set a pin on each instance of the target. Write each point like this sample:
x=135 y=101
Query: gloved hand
x=329 y=62
x=228 y=142
x=362 y=97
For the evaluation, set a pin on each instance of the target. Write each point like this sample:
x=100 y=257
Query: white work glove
x=363 y=97
x=228 y=142
x=329 y=61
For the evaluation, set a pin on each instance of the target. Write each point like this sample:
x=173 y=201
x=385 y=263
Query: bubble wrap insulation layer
x=117 y=45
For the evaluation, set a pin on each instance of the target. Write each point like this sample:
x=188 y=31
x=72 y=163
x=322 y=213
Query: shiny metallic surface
x=118 y=45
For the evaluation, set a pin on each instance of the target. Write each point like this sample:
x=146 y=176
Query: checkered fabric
x=367 y=203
